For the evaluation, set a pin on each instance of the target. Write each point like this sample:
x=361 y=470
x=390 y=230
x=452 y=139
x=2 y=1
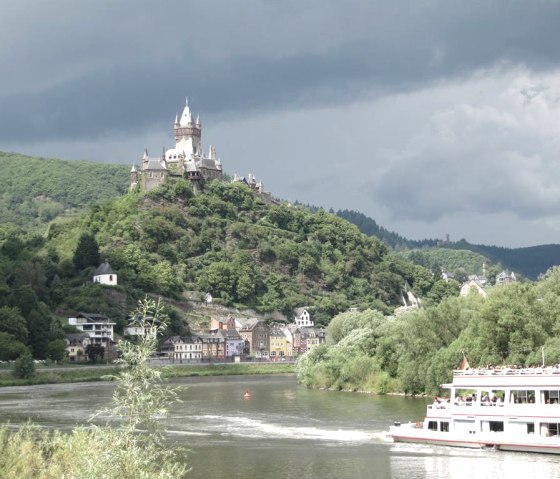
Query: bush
x=24 y=367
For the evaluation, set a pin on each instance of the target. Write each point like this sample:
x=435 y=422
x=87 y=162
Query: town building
x=234 y=343
x=213 y=346
x=182 y=348
x=280 y=346
x=311 y=338
x=256 y=334
x=506 y=277
x=473 y=286
x=76 y=344
x=98 y=326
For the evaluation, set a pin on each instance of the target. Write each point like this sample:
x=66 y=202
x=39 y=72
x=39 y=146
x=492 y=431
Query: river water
x=283 y=431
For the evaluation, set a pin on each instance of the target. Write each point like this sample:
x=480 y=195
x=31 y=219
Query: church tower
x=188 y=133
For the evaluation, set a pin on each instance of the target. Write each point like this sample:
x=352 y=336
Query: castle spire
x=186 y=117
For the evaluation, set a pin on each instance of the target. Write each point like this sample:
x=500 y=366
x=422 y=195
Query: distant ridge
x=36 y=190
x=529 y=261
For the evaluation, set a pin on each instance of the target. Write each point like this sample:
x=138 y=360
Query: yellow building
x=280 y=346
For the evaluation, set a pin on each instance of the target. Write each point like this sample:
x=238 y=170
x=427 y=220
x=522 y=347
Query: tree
x=13 y=323
x=24 y=367
x=10 y=348
x=56 y=350
x=86 y=252
x=95 y=352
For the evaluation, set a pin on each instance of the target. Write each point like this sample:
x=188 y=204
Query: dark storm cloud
x=84 y=70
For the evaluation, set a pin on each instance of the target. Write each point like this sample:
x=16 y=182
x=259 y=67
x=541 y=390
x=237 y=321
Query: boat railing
x=498 y=371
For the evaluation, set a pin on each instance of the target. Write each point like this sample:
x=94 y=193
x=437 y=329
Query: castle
x=187 y=160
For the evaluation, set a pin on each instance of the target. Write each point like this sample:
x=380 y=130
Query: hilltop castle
x=186 y=160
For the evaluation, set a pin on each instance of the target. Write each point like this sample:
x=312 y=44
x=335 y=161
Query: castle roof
x=155 y=164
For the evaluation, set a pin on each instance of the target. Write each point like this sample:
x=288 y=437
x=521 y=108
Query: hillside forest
x=271 y=258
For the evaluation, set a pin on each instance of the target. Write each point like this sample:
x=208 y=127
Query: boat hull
x=494 y=441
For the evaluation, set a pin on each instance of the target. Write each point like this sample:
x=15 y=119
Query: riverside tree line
x=416 y=352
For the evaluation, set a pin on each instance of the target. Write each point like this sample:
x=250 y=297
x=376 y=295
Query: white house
x=98 y=326
x=104 y=274
x=183 y=348
x=473 y=286
x=137 y=327
x=303 y=318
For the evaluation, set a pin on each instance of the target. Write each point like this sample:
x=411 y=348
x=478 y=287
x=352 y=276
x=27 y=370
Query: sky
x=434 y=118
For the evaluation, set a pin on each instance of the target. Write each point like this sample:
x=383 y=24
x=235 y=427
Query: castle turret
x=133 y=177
x=187 y=131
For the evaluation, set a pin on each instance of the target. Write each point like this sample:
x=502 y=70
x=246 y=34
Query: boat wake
x=254 y=428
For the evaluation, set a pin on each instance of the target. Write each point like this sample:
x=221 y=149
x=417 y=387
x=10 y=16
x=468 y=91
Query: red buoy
x=247 y=394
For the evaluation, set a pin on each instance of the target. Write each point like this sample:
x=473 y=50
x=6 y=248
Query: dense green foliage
x=416 y=352
x=269 y=257
x=36 y=190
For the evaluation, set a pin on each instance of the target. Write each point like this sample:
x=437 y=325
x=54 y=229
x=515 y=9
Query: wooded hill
x=222 y=241
x=37 y=190
x=445 y=255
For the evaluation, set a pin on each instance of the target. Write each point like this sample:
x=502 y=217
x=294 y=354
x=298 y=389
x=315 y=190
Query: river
x=283 y=431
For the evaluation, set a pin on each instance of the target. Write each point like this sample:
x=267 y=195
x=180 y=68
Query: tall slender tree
x=87 y=252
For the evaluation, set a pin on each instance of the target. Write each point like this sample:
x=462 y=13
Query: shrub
x=24 y=367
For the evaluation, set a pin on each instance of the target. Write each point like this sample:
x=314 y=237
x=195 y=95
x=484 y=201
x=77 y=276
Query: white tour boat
x=502 y=408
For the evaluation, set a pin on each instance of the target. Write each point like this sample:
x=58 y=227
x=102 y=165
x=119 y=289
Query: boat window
x=522 y=396
x=432 y=425
x=444 y=426
x=465 y=397
x=551 y=396
x=549 y=428
x=496 y=426
x=530 y=428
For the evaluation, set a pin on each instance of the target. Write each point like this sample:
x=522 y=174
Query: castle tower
x=133 y=177
x=188 y=132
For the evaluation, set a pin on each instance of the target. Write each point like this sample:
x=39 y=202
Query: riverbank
x=85 y=373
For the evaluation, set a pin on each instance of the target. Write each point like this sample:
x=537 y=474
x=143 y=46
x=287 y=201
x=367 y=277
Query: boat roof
x=506 y=377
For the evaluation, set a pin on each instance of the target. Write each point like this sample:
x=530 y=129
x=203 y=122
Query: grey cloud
x=91 y=69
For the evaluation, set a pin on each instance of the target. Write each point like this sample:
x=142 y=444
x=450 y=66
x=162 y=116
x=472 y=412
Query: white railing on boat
x=507 y=371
